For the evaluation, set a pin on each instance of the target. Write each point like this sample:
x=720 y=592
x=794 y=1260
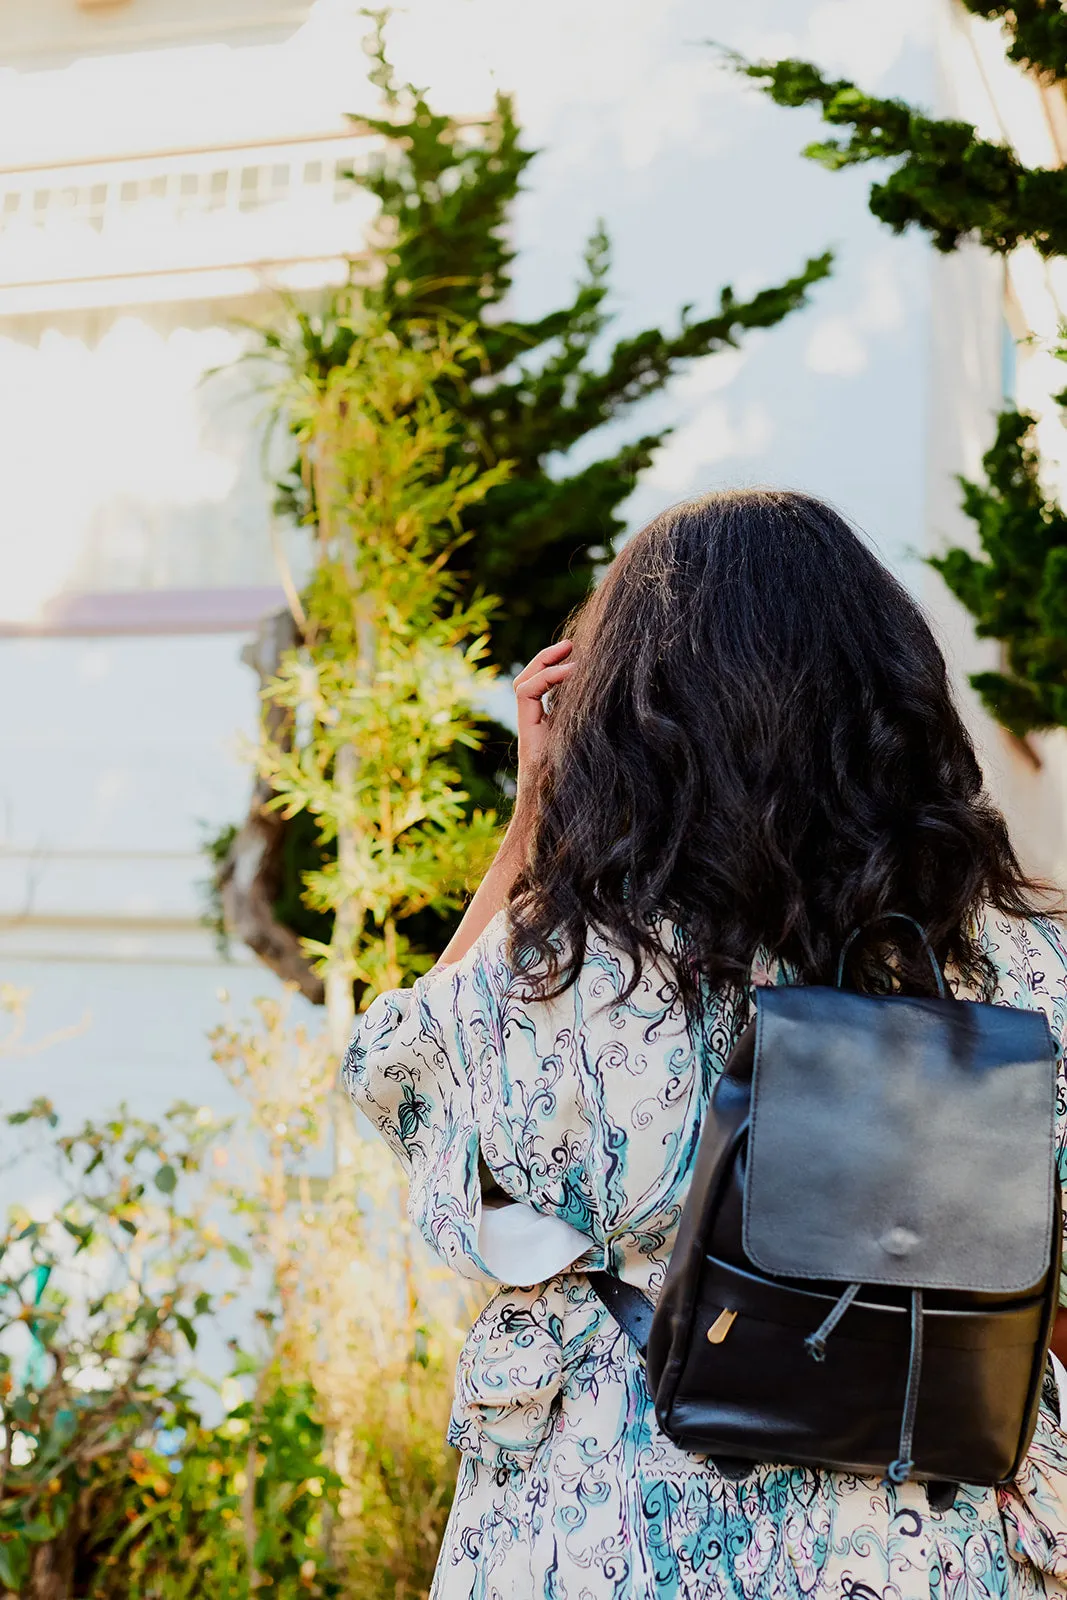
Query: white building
x=167 y=166
x=995 y=325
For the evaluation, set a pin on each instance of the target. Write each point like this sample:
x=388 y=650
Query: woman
x=751 y=749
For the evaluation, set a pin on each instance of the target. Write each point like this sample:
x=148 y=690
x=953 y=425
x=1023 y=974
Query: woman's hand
x=548 y=668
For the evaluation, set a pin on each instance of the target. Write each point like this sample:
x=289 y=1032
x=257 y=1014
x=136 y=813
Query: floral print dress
x=584 y=1112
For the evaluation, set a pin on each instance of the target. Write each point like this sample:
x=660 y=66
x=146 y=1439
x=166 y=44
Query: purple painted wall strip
x=150 y=611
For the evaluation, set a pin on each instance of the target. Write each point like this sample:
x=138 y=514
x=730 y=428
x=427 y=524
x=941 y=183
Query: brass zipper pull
x=721 y=1326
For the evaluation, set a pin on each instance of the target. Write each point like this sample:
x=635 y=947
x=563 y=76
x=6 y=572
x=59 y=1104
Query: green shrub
x=220 y=1513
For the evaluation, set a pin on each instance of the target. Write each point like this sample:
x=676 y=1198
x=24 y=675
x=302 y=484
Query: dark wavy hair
x=758 y=743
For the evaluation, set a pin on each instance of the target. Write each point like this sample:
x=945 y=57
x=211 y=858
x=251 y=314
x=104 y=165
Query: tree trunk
x=52 y=1566
x=250 y=878
x=340 y=1005
x=348 y=918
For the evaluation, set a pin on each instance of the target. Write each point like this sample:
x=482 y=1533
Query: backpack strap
x=631 y=1309
x=894 y=916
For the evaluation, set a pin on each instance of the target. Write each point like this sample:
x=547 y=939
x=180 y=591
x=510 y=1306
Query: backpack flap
x=899 y=1140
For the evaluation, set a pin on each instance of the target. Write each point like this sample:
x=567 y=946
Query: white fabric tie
x=522 y=1246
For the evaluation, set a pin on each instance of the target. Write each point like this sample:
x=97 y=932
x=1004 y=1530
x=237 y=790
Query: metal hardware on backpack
x=866 y=1270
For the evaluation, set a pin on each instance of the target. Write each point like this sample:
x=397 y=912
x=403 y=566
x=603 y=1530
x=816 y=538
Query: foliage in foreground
x=944 y=178
x=223 y=1511
x=318 y=1468
x=361 y=1310
x=96 y=1300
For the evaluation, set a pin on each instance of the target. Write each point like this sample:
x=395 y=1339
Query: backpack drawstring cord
x=815 y=1343
x=900 y=1470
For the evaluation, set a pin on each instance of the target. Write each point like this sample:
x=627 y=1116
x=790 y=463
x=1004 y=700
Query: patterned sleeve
x=408 y=1069
x=420 y=1063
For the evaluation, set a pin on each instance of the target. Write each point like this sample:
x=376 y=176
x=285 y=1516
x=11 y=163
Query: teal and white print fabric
x=587 y=1109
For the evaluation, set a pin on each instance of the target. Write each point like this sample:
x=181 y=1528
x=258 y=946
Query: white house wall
x=992 y=328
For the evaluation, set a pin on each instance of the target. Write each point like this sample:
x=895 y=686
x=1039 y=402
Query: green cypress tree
x=445 y=188
x=441 y=251
x=954 y=185
x=1017 y=591
x=1036 y=29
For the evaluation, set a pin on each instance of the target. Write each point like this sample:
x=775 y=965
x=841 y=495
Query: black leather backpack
x=866 y=1270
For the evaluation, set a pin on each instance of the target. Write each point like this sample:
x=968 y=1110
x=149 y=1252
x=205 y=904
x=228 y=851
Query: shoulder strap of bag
x=631 y=1309
x=893 y=916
